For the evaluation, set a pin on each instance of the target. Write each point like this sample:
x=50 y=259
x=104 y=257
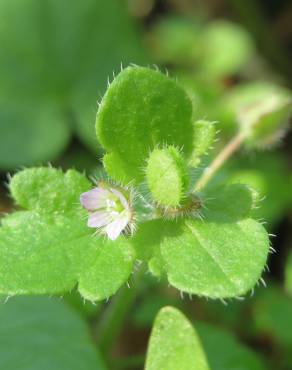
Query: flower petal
x=114 y=229
x=94 y=199
x=99 y=219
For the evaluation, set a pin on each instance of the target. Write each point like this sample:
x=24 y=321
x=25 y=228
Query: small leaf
x=184 y=48
x=49 y=248
x=167 y=176
x=224 y=352
x=174 y=344
x=44 y=333
x=204 y=136
x=141 y=109
x=227 y=48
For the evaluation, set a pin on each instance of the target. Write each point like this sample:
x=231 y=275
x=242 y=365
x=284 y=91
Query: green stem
x=112 y=320
x=210 y=171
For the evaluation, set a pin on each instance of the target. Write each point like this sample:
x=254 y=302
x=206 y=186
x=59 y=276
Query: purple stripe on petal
x=94 y=199
x=115 y=228
x=99 y=219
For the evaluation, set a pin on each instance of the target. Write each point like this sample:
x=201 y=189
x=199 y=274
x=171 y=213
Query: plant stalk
x=228 y=150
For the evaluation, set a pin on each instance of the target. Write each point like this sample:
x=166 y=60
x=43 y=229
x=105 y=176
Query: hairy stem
x=228 y=150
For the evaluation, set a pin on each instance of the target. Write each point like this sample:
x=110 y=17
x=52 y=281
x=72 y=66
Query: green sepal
x=204 y=136
x=167 y=176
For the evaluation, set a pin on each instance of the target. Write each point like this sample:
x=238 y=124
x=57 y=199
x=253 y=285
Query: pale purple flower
x=110 y=211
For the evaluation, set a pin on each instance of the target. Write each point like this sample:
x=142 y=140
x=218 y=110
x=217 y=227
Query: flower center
x=114 y=205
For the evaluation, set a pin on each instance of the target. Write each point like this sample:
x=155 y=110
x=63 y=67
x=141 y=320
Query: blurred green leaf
x=175 y=40
x=226 y=49
x=236 y=100
x=61 y=52
x=174 y=344
x=224 y=352
x=38 y=333
x=266 y=173
x=31 y=133
x=288 y=274
x=272 y=316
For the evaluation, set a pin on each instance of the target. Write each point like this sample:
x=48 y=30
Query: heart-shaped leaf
x=219 y=256
x=48 y=248
x=141 y=109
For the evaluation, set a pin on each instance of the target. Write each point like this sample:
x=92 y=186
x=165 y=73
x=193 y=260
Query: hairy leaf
x=141 y=109
x=48 y=249
x=222 y=255
x=228 y=203
x=216 y=259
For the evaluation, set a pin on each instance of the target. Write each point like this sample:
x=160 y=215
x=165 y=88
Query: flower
x=110 y=211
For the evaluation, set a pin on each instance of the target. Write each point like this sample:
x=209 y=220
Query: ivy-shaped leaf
x=38 y=333
x=141 y=109
x=48 y=248
x=221 y=256
x=174 y=344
